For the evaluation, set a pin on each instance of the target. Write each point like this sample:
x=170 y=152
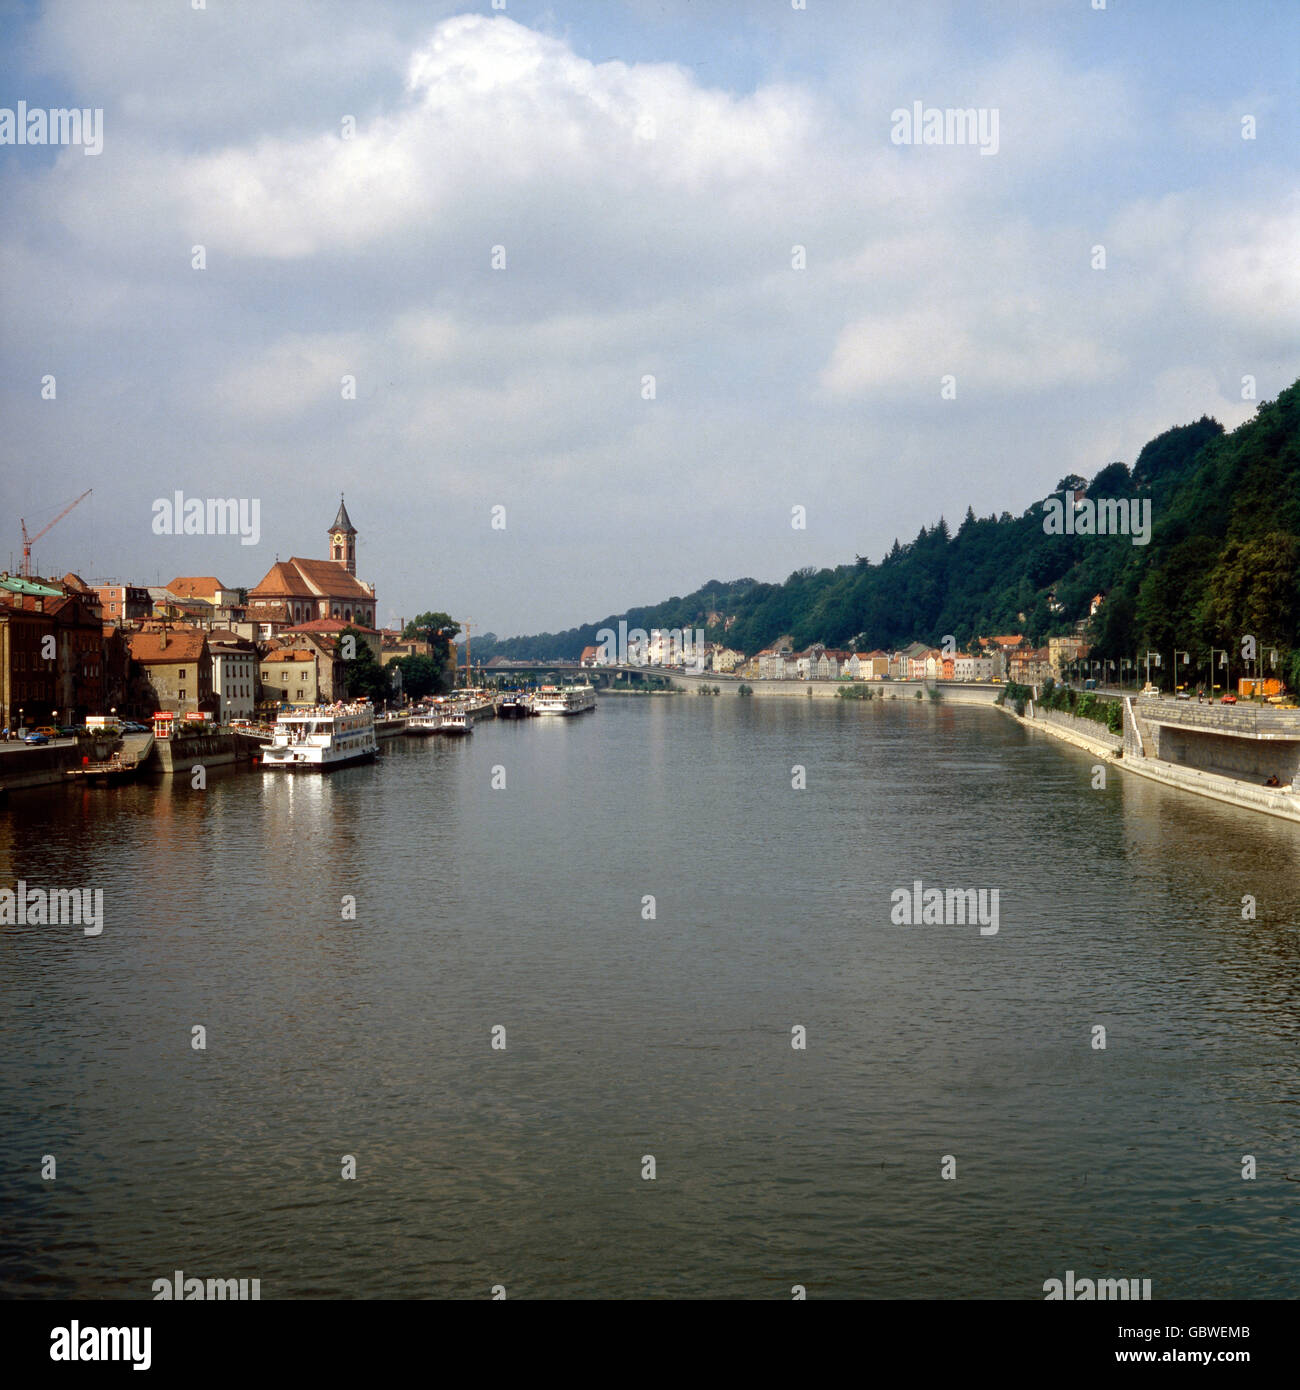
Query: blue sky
x=648 y=168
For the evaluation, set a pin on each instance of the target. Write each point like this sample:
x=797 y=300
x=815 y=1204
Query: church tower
x=343 y=540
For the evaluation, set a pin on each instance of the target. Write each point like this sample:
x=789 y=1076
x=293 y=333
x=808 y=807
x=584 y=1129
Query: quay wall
x=178 y=755
x=1233 y=791
x=953 y=692
x=1085 y=733
x=1250 y=759
x=22 y=767
x=1246 y=762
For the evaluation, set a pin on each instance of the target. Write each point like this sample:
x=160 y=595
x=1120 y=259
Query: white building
x=234 y=675
x=968 y=667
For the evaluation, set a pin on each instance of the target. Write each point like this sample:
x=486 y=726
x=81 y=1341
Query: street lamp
x=1151 y=654
x=1223 y=661
x=1186 y=656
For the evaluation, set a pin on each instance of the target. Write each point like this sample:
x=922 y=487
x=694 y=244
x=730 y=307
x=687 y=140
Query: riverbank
x=1086 y=734
x=1133 y=754
x=954 y=692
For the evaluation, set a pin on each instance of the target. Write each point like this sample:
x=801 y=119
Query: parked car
x=1149 y=689
x=1228 y=699
x=36 y=738
x=48 y=730
x=131 y=728
x=1183 y=695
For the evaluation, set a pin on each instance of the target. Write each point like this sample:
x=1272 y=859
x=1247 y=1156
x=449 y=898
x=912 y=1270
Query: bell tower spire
x=343 y=540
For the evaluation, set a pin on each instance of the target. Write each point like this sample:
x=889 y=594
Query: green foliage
x=430 y=627
x=363 y=675
x=745 y=691
x=855 y=690
x=422 y=675
x=1222 y=562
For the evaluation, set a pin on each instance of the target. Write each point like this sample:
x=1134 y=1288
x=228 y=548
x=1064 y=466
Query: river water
x=524 y=907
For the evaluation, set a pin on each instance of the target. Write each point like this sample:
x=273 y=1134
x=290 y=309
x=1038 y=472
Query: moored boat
x=513 y=705
x=321 y=739
x=456 y=723
x=564 y=699
x=424 y=725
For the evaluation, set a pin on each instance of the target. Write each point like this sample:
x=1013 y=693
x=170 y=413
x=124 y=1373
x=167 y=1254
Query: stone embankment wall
x=1089 y=730
x=22 y=766
x=950 y=692
x=179 y=755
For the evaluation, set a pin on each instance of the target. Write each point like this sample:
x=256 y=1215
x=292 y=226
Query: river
x=524 y=907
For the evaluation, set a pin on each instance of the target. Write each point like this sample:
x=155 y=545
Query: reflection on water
x=330 y=1033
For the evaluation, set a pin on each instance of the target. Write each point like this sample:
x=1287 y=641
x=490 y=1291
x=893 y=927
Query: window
x=182 y=695
x=180 y=675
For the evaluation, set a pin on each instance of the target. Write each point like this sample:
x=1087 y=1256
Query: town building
x=321 y=637
x=234 y=674
x=972 y=666
x=296 y=591
x=1029 y=665
x=867 y=666
x=173 y=671
x=80 y=686
x=123 y=603
x=289 y=677
x=1061 y=651
x=29 y=667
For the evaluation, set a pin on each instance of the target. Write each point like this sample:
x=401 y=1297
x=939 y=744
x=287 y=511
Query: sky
x=501 y=223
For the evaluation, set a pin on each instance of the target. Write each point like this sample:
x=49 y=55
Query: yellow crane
x=29 y=541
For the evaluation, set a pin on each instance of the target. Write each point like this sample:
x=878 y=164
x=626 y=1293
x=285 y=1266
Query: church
x=298 y=591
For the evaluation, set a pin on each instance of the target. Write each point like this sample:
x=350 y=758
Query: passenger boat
x=456 y=722
x=564 y=699
x=513 y=705
x=321 y=739
x=423 y=725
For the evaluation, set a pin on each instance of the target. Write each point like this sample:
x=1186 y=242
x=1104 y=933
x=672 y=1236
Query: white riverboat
x=564 y=699
x=456 y=722
x=321 y=739
x=422 y=725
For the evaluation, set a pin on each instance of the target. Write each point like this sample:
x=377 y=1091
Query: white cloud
x=648 y=210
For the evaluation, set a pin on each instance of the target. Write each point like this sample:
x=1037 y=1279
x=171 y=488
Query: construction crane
x=29 y=541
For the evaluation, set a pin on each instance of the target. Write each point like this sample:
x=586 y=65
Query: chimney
x=162 y=640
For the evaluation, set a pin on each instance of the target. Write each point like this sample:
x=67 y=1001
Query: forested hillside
x=1221 y=563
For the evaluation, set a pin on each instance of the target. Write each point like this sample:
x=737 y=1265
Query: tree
x=422 y=675
x=431 y=628
x=362 y=675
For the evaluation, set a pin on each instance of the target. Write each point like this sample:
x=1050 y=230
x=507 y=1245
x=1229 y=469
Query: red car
x=1228 y=700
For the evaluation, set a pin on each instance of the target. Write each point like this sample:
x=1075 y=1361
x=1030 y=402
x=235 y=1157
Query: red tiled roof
x=202 y=586
x=180 y=645
x=289 y=654
x=329 y=625
x=280 y=581
x=297 y=578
